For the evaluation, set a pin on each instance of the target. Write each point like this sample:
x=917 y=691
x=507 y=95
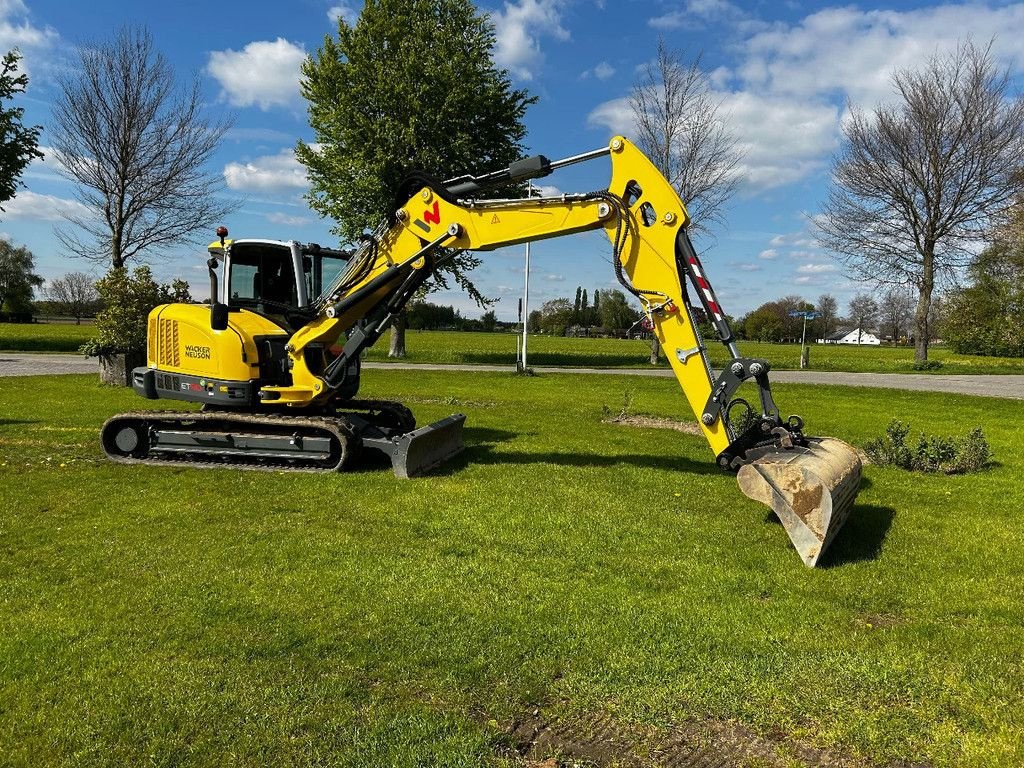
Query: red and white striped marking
x=706 y=287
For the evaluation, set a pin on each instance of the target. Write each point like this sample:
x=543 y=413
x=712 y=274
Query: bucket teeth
x=810 y=488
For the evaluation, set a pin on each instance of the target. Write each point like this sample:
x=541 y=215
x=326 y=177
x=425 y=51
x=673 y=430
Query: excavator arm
x=645 y=222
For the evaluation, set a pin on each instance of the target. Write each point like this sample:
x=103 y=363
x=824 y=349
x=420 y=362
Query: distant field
x=44 y=337
x=500 y=349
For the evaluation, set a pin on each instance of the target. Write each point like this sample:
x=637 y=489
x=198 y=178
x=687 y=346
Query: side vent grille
x=151 y=339
x=169 y=354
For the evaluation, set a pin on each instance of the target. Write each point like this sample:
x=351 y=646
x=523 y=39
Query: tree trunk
x=655 y=349
x=116 y=370
x=922 y=332
x=398 y=326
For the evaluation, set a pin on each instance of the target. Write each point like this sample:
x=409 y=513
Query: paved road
x=1010 y=386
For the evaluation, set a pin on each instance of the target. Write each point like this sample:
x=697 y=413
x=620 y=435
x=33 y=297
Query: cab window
x=262 y=274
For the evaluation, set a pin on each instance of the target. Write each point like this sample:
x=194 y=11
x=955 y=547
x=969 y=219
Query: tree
x=863 y=313
x=772 y=322
x=380 y=108
x=423 y=315
x=680 y=126
x=987 y=317
x=74 y=294
x=534 y=321
x=489 y=320
x=137 y=147
x=18 y=279
x=617 y=313
x=919 y=182
x=556 y=316
x=894 y=311
x=19 y=145
x=829 y=309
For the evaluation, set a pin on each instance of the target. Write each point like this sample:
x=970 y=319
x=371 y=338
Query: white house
x=856 y=336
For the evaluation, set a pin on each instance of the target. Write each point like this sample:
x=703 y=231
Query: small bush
x=932 y=453
x=927 y=365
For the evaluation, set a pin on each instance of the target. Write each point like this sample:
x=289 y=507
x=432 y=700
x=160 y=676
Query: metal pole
x=526 y=289
x=803 y=341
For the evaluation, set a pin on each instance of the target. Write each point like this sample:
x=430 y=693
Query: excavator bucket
x=810 y=488
x=421 y=450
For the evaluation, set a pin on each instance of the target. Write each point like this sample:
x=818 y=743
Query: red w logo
x=432 y=216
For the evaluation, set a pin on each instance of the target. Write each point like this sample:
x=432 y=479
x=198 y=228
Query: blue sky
x=784 y=71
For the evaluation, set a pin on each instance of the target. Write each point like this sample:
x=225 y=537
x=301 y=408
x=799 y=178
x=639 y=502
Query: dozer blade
x=810 y=488
x=423 y=449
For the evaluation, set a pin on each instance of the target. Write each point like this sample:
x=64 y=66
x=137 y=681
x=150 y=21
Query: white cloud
x=783 y=140
x=614 y=115
x=816 y=269
x=790 y=239
x=268 y=173
x=343 y=10
x=30 y=205
x=518 y=29
x=264 y=73
x=286 y=220
x=768 y=254
x=696 y=13
x=16 y=31
x=852 y=53
x=602 y=71
x=746 y=266
x=555 y=278
x=788 y=91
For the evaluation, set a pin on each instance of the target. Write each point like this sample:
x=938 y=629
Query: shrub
x=927 y=365
x=128 y=299
x=932 y=453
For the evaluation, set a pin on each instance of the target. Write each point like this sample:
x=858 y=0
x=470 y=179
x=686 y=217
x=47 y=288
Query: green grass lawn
x=168 y=616
x=500 y=349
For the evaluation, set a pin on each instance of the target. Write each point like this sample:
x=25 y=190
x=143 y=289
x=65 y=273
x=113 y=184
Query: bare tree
x=895 y=310
x=919 y=182
x=863 y=313
x=74 y=294
x=681 y=127
x=136 y=145
x=829 y=309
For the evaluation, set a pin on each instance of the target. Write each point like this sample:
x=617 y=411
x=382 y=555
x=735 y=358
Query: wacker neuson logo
x=197 y=352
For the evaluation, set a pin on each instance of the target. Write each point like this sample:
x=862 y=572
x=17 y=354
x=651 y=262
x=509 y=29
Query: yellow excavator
x=275 y=357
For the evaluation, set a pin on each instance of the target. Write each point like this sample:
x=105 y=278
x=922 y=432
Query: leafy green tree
x=556 y=316
x=19 y=145
x=411 y=86
x=534 y=321
x=987 y=317
x=617 y=313
x=424 y=315
x=489 y=320
x=771 y=321
x=18 y=279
